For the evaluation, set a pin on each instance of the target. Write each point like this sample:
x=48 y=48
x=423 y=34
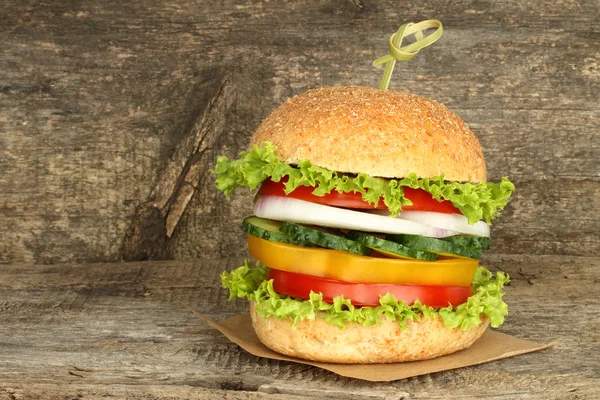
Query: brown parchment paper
x=490 y=347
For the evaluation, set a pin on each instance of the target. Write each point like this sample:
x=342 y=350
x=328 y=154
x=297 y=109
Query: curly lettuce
x=249 y=282
x=475 y=200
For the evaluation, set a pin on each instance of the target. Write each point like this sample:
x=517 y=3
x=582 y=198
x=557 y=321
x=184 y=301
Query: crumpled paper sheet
x=491 y=346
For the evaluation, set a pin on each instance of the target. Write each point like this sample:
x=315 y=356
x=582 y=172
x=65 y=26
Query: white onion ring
x=454 y=222
x=300 y=211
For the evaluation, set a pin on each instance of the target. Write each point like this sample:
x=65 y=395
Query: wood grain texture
x=103 y=106
x=126 y=328
x=131 y=392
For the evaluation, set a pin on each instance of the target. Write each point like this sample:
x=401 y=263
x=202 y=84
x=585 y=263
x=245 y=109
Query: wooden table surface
x=113 y=112
x=125 y=330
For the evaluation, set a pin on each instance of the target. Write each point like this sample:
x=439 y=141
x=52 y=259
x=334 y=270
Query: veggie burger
x=371 y=216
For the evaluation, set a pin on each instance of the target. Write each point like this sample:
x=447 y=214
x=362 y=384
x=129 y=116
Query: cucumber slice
x=436 y=246
x=388 y=248
x=475 y=242
x=323 y=239
x=268 y=229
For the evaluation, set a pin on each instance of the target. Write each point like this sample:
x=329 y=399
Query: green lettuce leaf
x=475 y=200
x=249 y=282
x=243 y=281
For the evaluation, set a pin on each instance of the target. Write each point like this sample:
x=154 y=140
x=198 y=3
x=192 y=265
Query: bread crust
x=318 y=340
x=378 y=132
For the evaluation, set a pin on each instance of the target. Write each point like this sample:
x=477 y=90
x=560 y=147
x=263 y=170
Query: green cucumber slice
x=482 y=243
x=323 y=239
x=268 y=229
x=436 y=246
x=388 y=248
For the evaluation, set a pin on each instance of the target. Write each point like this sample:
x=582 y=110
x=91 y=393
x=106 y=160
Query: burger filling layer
x=356 y=248
x=251 y=282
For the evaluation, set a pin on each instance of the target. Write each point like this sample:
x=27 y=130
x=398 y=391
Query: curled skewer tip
x=397 y=52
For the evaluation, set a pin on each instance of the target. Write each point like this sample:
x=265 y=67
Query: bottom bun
x=317 y=340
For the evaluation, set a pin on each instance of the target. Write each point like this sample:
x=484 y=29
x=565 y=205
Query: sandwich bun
x=318 y=340
x=382 y=133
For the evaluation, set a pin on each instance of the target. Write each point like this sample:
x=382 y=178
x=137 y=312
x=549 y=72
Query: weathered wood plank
x=130 y=392
x=104 y=327
x=98 y=100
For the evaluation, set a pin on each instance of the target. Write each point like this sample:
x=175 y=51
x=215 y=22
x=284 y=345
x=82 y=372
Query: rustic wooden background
x=112 y=113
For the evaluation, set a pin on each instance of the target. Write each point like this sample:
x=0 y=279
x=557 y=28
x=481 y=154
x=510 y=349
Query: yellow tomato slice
x=348 y=267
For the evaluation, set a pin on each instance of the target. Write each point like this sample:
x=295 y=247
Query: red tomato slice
x=422 y=201
x=366 y=294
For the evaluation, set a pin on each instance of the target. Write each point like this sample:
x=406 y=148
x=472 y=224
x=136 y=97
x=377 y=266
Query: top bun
x=378 y=132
